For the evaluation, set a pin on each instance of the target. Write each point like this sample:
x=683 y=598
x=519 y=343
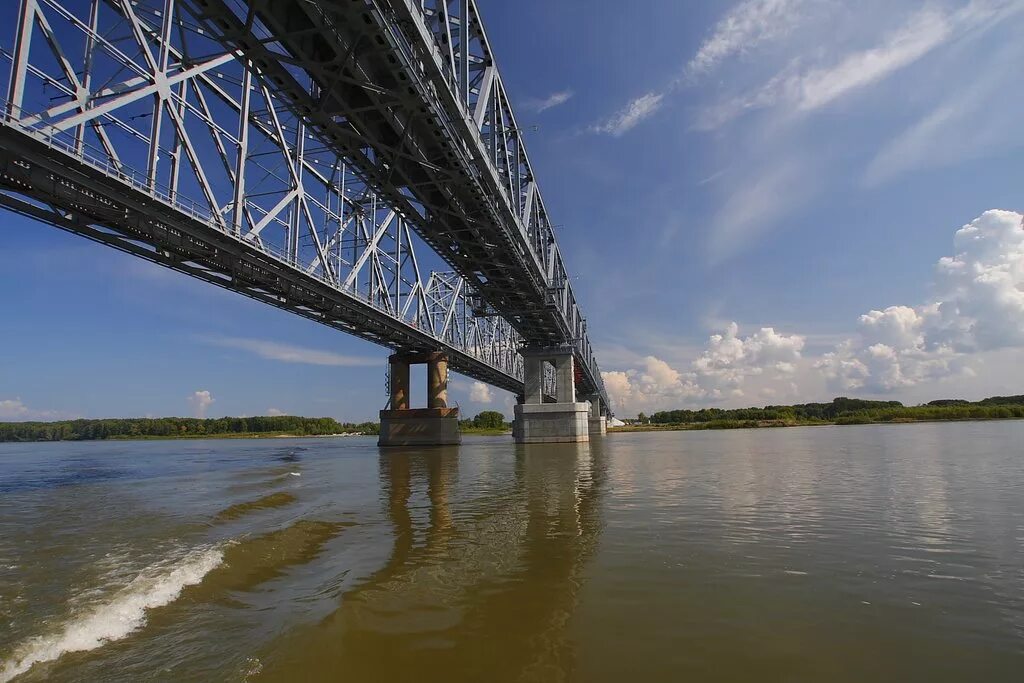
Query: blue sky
x=760 y=201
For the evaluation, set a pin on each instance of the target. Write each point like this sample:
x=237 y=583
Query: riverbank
x=768 y=424
x=242 y=435
x=146 y=428
x=479 y=431
x=839 y=411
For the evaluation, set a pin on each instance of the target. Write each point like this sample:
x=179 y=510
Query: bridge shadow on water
x=478 y=585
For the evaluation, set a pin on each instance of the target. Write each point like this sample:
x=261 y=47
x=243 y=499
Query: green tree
x=489 y=419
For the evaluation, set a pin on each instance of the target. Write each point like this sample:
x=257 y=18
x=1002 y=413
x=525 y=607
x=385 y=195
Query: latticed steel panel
x=189 y=133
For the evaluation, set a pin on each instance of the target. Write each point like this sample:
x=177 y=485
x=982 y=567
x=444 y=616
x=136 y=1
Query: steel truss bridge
x=356 y=162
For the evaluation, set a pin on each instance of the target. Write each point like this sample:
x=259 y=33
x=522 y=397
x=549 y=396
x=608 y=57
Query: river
x=884 y=553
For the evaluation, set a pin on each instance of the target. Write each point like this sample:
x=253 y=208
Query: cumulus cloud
x=200 y=401
x=721 y=370
x=14 y=409
x=480 y=393
x=287 y=353
x=633 y=113
x=275 y=412
x=553 y=100
x=979 y=307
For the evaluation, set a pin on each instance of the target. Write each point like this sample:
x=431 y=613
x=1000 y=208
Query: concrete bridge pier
x=597 y=421
x=435 y=425
x=565 y=420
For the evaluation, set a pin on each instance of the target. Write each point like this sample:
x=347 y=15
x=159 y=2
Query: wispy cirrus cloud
x=760 y=200
x=813 y=79
x=553 y=100
x=817 y=72
x=288 y=353
x=746 y=26
x=629 y=116
x=968 y=123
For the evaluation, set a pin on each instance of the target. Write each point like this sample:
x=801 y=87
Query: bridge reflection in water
x=481 y=589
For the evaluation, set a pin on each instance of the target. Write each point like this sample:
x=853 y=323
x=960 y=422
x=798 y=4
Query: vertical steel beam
x=159 y=76
x=19 y=64
x=87 y=59
x=464 y=41
x=238 y=196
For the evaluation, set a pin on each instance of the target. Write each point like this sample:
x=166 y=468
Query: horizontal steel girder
x=355 y=162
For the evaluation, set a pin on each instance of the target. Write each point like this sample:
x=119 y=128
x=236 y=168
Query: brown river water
x=882 y=553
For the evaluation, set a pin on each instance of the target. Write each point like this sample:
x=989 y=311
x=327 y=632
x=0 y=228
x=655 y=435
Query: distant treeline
x=177 y=427
x=488 y=420
x=850 y=411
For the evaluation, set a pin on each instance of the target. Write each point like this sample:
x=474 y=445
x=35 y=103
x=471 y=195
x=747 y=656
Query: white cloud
x=275 y=412
x=480 y=393
x=14 y=409
x=897 y=326
x=984 y=284
x=747 y=25
x=925 y=31
x=721 y=371
x=200 y=401
x=979 y=307
x=814 y=77
x=553 y=100
x=964 y=125
x=288 y=353
x=750 y=23
x=633 y=113
x=757 y=204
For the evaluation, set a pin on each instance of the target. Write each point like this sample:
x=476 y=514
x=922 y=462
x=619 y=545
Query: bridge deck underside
x=354 y=75
x=300 y=153
x=94 y=205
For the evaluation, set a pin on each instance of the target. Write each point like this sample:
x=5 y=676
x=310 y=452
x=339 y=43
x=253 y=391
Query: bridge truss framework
x=213 y=138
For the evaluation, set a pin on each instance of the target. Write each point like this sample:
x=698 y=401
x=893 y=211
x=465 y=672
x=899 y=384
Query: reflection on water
x=480 y=589
x=839 y=554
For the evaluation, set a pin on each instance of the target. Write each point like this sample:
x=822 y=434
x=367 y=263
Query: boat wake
x=116 y=617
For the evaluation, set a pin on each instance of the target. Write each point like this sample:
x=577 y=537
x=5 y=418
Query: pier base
x=551 y=423
x=598 y=425
x=420 y=427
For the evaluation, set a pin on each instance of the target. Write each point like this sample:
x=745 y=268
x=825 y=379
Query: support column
x=435 y=425
x=597 y=421
x=437 y=381
x=399 y=367
x=550 y=419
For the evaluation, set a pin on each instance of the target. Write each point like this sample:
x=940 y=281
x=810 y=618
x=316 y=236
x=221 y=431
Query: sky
x=764 y=201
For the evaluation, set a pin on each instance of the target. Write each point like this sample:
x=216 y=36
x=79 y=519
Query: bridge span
x=357 y=163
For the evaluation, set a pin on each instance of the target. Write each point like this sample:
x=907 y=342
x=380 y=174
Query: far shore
x=770 y=424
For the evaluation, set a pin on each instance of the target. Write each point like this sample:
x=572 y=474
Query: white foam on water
x=115 y=618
